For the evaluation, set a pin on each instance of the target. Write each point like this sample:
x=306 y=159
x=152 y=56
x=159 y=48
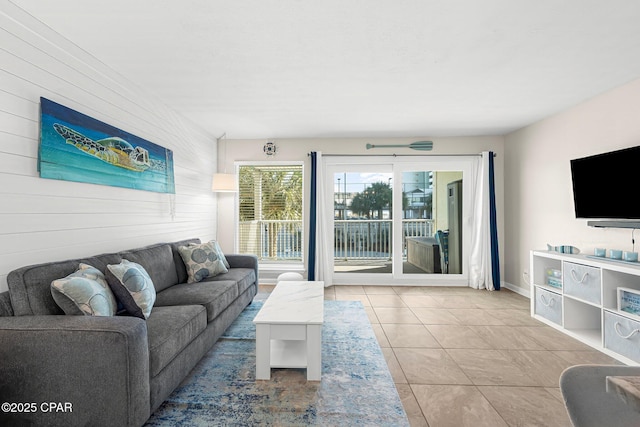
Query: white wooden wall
x=45 y=220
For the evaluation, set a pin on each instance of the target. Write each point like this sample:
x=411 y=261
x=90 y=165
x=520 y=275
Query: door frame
x=397 y=165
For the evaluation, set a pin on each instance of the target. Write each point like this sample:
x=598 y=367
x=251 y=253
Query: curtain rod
x=402 y=155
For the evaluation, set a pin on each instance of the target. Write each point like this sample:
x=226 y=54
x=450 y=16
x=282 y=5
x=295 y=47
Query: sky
x=357 y=182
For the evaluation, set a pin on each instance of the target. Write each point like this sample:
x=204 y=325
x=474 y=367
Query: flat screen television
x=605 y=185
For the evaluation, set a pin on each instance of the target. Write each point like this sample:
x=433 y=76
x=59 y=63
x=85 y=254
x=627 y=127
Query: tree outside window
x=270 y=211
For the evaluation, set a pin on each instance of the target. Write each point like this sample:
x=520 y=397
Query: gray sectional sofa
x=111 y=370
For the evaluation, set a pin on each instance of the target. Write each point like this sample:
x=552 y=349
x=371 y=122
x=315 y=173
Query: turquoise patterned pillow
x=84 y=292
x=218 y=249
x=133 y=287
x=202 y=261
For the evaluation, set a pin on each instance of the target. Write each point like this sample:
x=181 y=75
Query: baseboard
x=517 y=289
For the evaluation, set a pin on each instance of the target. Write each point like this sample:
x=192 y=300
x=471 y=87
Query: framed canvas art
x=76 y=147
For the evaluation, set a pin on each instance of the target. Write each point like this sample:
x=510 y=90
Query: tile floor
x=463 y=357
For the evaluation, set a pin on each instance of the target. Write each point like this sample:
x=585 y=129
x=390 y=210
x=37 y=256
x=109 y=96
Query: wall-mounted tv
x=605 y=185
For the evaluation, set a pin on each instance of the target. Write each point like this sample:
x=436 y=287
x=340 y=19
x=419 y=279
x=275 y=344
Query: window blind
x=270 y=212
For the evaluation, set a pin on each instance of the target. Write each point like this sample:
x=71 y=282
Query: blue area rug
x=356 y=387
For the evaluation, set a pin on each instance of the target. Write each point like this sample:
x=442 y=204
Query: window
x=270 y=212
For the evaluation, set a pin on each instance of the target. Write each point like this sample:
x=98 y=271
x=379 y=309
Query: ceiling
x=359 y=68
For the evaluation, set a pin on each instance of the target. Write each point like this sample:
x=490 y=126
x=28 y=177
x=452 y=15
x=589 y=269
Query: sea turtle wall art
x=76 y=147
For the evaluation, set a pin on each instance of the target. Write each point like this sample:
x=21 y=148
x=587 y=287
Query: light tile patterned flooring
x=464 y=357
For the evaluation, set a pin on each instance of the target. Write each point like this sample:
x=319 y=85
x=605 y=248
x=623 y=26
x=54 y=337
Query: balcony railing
x=281 y=240
x=272 y=240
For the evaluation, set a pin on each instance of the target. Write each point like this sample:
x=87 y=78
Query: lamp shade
x=224 y=183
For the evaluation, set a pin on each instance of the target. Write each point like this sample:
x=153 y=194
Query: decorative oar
x=418 y=145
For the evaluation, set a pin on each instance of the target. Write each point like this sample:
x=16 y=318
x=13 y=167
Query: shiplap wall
x=45 y=220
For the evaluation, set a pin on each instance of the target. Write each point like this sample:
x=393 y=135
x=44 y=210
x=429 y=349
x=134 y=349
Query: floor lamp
x=224 y=182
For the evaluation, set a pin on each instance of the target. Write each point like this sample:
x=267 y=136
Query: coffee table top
x=294 y=303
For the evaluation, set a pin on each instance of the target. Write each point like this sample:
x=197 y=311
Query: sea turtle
x=113 y=150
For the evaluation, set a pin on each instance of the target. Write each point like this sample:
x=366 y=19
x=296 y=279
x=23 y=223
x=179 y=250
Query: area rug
x=356 y=388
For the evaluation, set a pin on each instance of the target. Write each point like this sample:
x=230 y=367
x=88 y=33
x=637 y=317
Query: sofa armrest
x=74 y=370
x=243 y=261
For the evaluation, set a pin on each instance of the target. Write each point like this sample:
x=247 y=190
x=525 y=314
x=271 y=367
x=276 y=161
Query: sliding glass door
x=400 y=220
x=362 y=218
x=430 y=203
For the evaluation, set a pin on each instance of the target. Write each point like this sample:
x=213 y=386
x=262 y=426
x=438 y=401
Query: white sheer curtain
x=324 y=233
x=480 y=268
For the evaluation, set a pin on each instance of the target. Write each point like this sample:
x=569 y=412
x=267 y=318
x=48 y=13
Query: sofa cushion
x=202 y=261
x=245 y=277
x=84 y=292
x=133 y=287
x=158 y=261
x=170 y=330
x=214 y=296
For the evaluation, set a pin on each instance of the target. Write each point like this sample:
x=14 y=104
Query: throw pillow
x=84 y=292
x=133 y=287
x=218 y=249
x=202 y=261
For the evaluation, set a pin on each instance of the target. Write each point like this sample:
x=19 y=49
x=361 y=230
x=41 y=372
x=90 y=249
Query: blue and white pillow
x=218 y=249
x=84 y=292
x=202 y=260
x=133 y=287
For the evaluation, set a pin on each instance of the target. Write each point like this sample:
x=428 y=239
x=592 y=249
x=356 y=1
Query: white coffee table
x=289 y=329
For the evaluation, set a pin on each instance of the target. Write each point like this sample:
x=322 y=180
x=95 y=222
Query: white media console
x=581 y=300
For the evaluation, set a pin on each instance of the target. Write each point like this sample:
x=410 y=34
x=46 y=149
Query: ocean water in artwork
x=76 y=147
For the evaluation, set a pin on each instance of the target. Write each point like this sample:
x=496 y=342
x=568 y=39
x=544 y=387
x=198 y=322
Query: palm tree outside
x=271 y=198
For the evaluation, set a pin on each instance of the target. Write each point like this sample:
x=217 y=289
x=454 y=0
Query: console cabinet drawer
x=582 y=282
x=622 y=335
x=548 y=305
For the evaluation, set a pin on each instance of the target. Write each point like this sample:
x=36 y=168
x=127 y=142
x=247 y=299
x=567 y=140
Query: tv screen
x=604 y=185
